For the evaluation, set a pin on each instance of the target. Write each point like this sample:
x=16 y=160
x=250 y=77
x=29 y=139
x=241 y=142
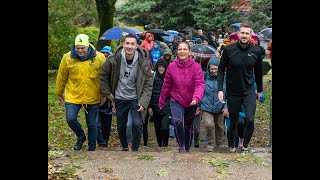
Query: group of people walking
x=128 y=83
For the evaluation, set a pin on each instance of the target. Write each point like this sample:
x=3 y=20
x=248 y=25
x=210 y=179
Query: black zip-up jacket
x=240 y=64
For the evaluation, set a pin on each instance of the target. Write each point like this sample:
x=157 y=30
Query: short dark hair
x=245 y=25
x=130 y=36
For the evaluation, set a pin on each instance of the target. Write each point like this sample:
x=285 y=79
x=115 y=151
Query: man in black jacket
x=240 y=60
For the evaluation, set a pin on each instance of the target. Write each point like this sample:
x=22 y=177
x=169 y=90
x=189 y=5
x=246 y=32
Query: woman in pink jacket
x=184 y=83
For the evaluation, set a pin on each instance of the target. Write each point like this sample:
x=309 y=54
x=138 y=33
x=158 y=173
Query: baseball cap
x=106 y=49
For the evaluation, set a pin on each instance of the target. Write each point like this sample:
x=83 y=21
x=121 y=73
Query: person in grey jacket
x=213 y=110
x=126 y=80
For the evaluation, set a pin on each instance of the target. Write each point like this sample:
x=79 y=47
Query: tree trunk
x=106 y=10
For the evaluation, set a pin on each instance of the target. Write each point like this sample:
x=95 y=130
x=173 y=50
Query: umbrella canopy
x=266 y=33
x=159 y=32
x=171 y=33
x=202 y=50
x=236 y=26
x=235 y=36
x=117 y=33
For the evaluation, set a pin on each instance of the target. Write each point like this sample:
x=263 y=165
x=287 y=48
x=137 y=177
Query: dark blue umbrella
x=236 y=26
x=117 y=33
x=266 y=33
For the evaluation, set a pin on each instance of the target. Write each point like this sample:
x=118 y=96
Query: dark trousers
x=104 y=127
x=240 y=131
x=161 y=126
x=183 y=119
x=248 y=100
x=145 y=130
x=122 y=109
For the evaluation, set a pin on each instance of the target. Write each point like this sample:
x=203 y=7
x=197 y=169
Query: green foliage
x=163 y=14
x=208 y=15
x=91 y=31
x=145 y=156
x=62 y=170
x=216 y=162
x=213 y=15
x=64 y=17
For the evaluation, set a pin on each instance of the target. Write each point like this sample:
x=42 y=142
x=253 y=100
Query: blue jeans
x=72 y=111
x=123 y=107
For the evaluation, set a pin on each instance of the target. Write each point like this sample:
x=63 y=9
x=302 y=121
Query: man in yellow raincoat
x=78 y=86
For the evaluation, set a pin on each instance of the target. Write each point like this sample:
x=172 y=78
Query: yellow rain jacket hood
x=79 y=80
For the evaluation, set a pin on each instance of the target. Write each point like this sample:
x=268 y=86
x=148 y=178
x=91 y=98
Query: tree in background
x=64 y=18
x=163 y=14
x=214 y=15
x=106 y=10
x=261 y=14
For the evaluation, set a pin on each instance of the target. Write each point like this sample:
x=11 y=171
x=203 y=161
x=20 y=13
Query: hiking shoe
x=134 y=149
x=79 y=143
x=129 y=145
x=103 y=145
x=125 y=149
x=196 y=145
x=232 y=150
x=182 y=150
x=245 y=150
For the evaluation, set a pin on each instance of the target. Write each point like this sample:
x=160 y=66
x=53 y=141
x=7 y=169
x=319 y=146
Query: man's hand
x=60 y=99
x=220 y=97
x=150 y=111
x=140 y=108
x=225 y=112
x=259 y=94
x=110 y=97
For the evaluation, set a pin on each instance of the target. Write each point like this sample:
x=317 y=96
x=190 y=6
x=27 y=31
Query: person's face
x=106 y=54
x=205 y=42
x=213 y=69
x=199 y=32
x=82 y=50
x=150 y=37
x=155 y=45
x=161 y=69
x=130 y=45
x=167 y=56
x=244 y=35
x=183 y=51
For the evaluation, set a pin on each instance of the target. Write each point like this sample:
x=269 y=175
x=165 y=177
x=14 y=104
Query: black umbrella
x=266 y=33
x=159 y=32
x=202 y=50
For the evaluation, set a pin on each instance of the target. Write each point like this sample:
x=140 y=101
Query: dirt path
x=165 y=163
